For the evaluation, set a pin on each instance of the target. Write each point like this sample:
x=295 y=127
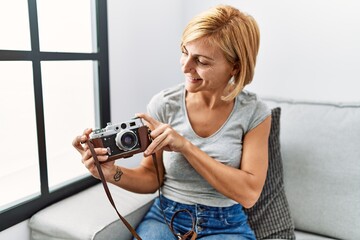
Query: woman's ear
x=235 y=69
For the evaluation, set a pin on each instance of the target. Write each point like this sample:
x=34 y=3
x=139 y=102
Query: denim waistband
x=203 y=210
x=169 y=202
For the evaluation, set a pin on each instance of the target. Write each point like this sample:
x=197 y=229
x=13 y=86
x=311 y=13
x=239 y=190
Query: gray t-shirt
x=182 y=183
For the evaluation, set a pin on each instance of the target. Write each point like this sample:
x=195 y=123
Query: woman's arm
x=243 y=185
x=142 y=179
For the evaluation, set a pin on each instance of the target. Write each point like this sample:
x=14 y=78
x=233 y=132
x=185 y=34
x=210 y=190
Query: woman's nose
x=186 y=64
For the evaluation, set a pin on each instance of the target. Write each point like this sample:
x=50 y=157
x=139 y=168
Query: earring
x=231 y=81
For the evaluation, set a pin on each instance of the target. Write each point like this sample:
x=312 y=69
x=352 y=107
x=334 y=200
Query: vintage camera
x=122 y=140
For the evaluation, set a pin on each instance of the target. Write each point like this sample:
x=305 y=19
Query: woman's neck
x=203 y=100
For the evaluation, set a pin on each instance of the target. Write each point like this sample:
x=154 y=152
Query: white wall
x=144 y=52
x=309 y=49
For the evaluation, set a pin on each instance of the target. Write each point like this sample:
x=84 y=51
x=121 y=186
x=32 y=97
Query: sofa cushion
x=89 y=215
x=270 y=216
x=320 y=145
x=310 y=236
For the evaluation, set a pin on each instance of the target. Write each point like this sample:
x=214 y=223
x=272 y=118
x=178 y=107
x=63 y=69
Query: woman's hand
x=80 y=144
x=164 y=137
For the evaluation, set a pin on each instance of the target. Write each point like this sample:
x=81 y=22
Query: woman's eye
x=201 y=63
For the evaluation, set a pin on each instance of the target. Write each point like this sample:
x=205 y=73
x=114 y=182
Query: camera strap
x=107 y=191
x=190 y=233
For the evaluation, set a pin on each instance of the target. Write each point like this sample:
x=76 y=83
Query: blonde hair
x=236 y=33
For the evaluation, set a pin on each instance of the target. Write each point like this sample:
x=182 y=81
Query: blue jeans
x=211 y=223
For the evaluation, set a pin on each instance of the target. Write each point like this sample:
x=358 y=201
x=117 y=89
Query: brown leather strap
x=107 y=191
x=190 y=233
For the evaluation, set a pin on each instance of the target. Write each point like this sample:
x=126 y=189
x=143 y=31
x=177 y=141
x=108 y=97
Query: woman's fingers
x=163 y=135
x=89 y=161
x=80 y=144
x=152 y=122
x=80 y=140
x=168 y=140
x=100 y=153
x=87 y=131
x=157 y=144
x=77 y=143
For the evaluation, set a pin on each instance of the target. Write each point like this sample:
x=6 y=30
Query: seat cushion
x=89 y=215
x=310 y=236
x=270 y=217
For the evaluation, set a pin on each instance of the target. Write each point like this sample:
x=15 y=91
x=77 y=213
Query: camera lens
x=126 y=140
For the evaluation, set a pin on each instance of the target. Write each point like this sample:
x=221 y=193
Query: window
x=54 y=83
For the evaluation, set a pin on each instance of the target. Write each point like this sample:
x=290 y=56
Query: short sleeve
x=156 y=107
x=164 y=104
x=261 y=111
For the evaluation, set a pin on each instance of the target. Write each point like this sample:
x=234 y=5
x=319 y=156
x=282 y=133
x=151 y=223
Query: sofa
x=318 y=174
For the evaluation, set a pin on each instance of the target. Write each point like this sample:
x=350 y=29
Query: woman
x=209 y=135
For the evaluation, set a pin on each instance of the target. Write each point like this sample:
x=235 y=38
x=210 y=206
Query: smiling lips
x=193 y=80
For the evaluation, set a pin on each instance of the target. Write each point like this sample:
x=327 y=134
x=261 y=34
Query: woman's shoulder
x=166 y=102
x=250 y=98
x=173 y=93
x=252 y=108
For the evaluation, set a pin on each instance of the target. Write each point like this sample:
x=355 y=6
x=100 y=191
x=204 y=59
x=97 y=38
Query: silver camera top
x=112 y=129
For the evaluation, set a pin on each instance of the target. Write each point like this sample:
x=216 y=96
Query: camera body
x=122 y=140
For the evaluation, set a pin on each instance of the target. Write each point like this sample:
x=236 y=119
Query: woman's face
x=205 y=67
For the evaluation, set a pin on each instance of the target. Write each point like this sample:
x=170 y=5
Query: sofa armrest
x=89 y=215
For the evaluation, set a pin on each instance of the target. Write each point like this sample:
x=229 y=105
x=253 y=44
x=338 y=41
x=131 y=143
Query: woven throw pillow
x=270 y=217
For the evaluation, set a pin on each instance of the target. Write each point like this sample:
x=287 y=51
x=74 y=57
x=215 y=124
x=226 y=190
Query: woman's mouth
x=193 y=80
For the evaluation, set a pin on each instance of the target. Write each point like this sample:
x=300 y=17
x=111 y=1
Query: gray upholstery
x=309 y=236
x=320 y=146
x=89 y=215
